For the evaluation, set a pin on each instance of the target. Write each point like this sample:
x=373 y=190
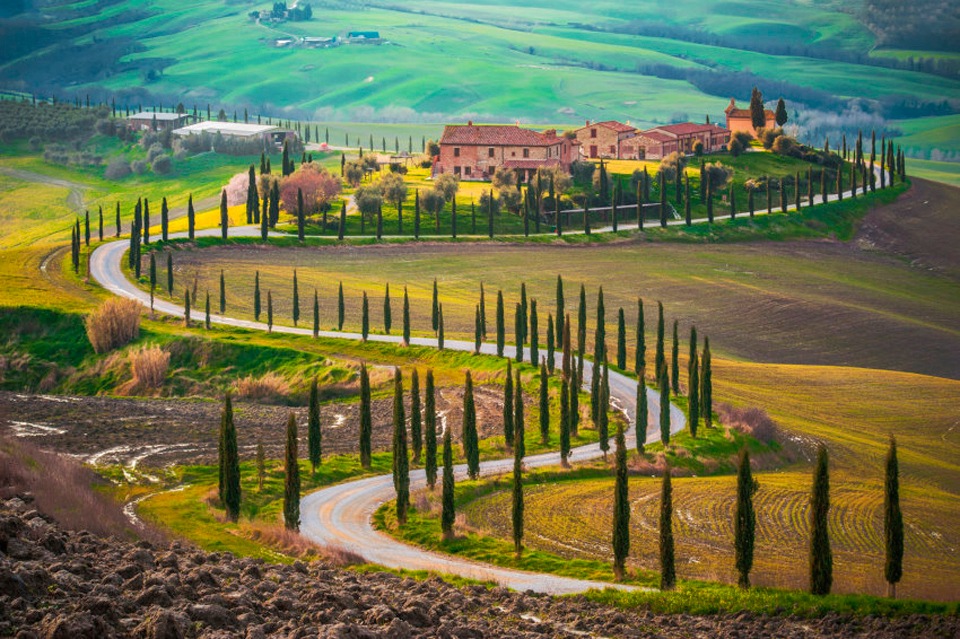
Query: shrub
x=768 y=136
x=155 y=150
x=785 y=145
x=582 y=172
x=149 y=366
x=738 y=143
x=138 y=166
x=319 y=188
x=671 y=164
x=270 y=388
x=718 y=175
x=114 y=323
x=750 y=421
x=162 y=164
x=117 y=169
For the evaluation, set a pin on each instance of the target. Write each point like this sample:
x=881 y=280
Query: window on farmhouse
x=593 y=133
x=466 y=170
x=490 y=152
x=526 y=153
x=456 y=151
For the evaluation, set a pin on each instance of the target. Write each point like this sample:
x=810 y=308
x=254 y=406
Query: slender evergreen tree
x=365 y=318
x=316 y=313
x=366 y=420
x=296 y=299
x=440 y=330
x=642 y=416
x=660 y=363
x=560 y=308
x=164 y=220
x=269 y=311
x=523 y=312
x=170 y=274
x=518 y=418
x=892 y=523
x=621 y=340
x=668 y=573
x=483 y=313
x=564 y=422
x=223 y=294
x=448 y=514
x=314 y=435
x=256 y=296
x=518 y=332
x=534 y=334
x=416 y=432
x=291 y=484
x=341 y=307
x=821 y=557
x=434 y=314
x=544 y=405
x=551 y=345
x=517 y=509
x=206 y=316
x=574 y=403
x=116 y=224
x=603 y=420
x=224 y=217
x=693 y=388
x=640 y=355
x=745 y=520
x=508 y=406
x=501 y=328
x=621 y=510
x=100 y=226
x=387 y=312
x=231 y=463
x=581 y=330
x=401 y=463
x=430 y=431
x=706 y=385
x=675 y=362
x=471 y=445
x=186 y=307
x=664 y=386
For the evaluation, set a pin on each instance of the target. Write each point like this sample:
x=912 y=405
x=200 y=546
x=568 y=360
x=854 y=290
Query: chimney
x=469 y=122
x=588 y=123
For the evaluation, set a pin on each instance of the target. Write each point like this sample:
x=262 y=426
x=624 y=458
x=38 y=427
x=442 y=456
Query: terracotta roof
x=656 y=136
x=745 y=113
x=494 y=135
x=686 y=128
x=619 y=127
x=530 y=164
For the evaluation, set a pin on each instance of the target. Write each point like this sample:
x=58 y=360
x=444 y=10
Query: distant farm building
x=147 y=121
x=238 y=130
x=661 y=141
x=741 y=120
x=363 y=37
x=474 y=152
x=319 y=42
x=610 y=139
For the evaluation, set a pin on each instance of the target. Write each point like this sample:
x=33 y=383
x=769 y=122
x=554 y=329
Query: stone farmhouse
x=610 y=139
x=741 y=120
x=657 y=143
x=149 y=121
x=474 y=152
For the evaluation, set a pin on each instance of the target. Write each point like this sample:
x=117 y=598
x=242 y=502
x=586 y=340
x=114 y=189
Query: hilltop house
x=610 y=139
x=661 y=141
x=238 y=130
x=473 y=152
x=148 y=121
x=741 y=120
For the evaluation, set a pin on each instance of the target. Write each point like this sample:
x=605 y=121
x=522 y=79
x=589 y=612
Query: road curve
x=340 y=516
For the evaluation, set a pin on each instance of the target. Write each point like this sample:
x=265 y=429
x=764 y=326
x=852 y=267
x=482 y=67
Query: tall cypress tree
x=483 y=312
x=544 y=406
x=693 y=388
x=675 y=362
x=296 y=299
x=821 y=557
x=551 y=345
x=146 y=221
x=406 y=317
x=706 y=385
x=640 y=356
x=581 y=330
x=621 y=510
x=341 y=307
x=435 y=309
x=517 y=509
x=206 y=315
x=100 y=226
x=401 y=464
x=523 y=312
x=365 y=317
x=223 y=294
x=660 y=363
x=366 y=420
x=316 y=313
x=745 y=520
x=291 y=484
x=224 y=216
x=164 y=220
x=186 y=307
x=518 y=332
x=387 y=312
x=314 y=435
x=440 y=329
x=668 y=573
x=116 y=229
x=477 y=339
x=621 y=340
x=416 y=434
x=560 y=308
x=269 y=311
x=892 y=523
x=574 y=403
x=430 y=431
x=448 y=515
x=518 y=418
x=603 y=422
x=256 y=295
x=642 y=416
x=508 y=406
x=534 y=334
x=664 y=386
x=501 y=328
x=231 y=463
x=564 y=422
x=471 y=448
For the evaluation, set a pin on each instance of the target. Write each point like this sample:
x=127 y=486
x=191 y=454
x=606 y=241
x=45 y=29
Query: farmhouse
x=238 y=130
x=741 y=120
x=610 y=139
x=661 y=141
x=474 y=152
x=363 y=37
x=147 y=121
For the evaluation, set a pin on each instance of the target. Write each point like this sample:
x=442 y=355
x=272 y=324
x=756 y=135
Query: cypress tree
x=435 y=309
x=706 y=385
x=366 y=420
x=471 y=448
x=501 y=329
x=164 y=220
x=416 y=434
x=223 y=294
x=440 y=330
x=401 y=464
x=640 y=356
x=100 y=227
x=603 y=422
x=642 y=417
x=264 y=222
x=560 y=308
x=566 y=356
x=534 y=331
x=291 y=484
x=796 y=192
x=406 y=317
x=490 y=215
x=621 y=340
x=693 y=386
x=387 y=314
x=153 y=271
x=224 y=217
x=581 y=330
x=477 y=342
x=296 y=299
x=206 y=317
x=116 y=230
x=544 y=406
x=575 y=382
x=821 y=558
x=483 y=312
x=517 y=510
x=660 y=362
x=231 y=463
x=365 y=318
x=186 y=307
x=621 y=510
x=664 y=386
x=256 y=296
x=448 y=514
x=341 y=307
x=518 y=419
x=668 y=574
x=314 y=435
x=508 y=406
x=745 y=520
x=564 y=422
x=892 y=523
x=675 y=362
x=146 y=222
x=551 y=345
x=221 y=453
x=523 y=313
x=430 y=431
x=316 y=314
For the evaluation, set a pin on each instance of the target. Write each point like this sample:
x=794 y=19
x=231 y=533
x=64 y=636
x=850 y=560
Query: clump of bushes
x=269 y=388
x=149 y=366
x=738 y=143
x=114 y=323
x=117 y=169
x=162 y=164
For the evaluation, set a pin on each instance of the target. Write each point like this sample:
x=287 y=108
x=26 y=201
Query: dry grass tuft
x=114 y=323
x=271 y=388
x=149 y=366
x=750 y=421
